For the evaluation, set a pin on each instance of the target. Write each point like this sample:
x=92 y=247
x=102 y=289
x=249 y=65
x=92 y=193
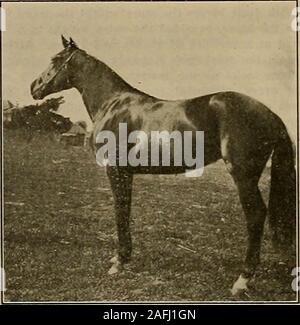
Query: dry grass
x=60 y=233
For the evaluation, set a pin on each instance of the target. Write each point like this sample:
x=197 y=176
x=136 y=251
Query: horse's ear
x=72 y=43
x=64 y=41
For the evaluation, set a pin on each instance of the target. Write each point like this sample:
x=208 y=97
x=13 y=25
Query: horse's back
x=243 y=122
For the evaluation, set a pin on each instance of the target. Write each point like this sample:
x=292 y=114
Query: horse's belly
x=157 y=170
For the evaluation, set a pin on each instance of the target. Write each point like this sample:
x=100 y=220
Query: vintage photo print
x=149 y=152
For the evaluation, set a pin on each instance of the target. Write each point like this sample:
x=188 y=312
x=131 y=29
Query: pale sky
x=169 y=50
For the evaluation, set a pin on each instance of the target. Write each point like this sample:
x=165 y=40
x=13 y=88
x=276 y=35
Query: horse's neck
x=97 y=84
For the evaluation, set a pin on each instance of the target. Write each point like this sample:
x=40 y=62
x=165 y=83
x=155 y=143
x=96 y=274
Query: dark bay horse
x=238 y=129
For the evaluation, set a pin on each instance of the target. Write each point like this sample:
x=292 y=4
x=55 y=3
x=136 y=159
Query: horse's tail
x=282 y=203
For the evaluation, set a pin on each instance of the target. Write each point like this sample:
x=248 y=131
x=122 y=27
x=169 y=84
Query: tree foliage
x=39 y=118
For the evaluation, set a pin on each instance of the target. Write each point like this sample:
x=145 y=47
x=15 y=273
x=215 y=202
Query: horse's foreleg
x=121 y=184
x=255 y=211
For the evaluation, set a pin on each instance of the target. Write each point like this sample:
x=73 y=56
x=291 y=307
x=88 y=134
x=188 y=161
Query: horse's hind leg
x=255 y=211
x=246 y=170
x=121 y=185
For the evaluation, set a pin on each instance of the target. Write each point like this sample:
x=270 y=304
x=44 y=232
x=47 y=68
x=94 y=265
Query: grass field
x=189 y=235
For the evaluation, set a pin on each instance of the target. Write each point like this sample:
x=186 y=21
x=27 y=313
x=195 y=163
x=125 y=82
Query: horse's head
x=57 y=76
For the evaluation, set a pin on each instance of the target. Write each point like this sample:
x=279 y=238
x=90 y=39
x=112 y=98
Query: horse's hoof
x=114 y=259
x=239 y=286
x=115 y=268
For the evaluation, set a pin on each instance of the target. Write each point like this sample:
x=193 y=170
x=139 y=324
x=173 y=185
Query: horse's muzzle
x=36 y=89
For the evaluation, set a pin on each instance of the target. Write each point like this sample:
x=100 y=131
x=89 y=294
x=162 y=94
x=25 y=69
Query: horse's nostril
x=32 y=86
x=36 y=85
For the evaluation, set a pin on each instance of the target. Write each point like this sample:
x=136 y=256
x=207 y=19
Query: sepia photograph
x=150 y=153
